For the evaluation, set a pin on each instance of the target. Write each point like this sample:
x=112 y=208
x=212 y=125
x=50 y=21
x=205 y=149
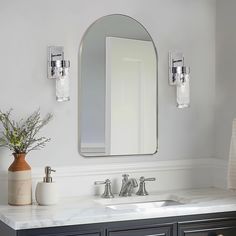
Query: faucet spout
x=127 y=187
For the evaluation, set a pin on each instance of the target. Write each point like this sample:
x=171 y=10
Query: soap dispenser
x=46 y=191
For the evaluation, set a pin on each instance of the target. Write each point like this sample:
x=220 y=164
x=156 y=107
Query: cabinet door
x=218 y=228
x=153 y=231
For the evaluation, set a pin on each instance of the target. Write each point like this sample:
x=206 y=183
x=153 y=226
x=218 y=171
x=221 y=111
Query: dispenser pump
x=46 y=192
x=48 y=177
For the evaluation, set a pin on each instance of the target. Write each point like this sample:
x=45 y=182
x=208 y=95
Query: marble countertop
x=81 y=210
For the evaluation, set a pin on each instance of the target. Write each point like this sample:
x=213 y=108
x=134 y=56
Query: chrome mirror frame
x=80 y=82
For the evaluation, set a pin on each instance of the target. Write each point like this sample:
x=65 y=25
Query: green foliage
x=20 y=137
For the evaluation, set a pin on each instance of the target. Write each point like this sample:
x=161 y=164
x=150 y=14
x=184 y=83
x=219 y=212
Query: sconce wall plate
x=55 y=54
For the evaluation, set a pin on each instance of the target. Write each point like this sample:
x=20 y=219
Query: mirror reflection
x=118 y=89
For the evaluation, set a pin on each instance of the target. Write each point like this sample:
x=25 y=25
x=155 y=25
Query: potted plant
x=20 y=137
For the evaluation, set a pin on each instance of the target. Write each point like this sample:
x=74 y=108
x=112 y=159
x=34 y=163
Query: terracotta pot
x=19 y=181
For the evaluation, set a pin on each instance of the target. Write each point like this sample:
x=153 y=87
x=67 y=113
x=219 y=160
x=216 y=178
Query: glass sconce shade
x=62 y=89
x=183 y=92
x=61 y=73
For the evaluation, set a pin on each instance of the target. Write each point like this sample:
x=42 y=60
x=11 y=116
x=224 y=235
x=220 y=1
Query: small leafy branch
x=20 y=137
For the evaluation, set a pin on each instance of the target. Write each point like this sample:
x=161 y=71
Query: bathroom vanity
x=203 y=212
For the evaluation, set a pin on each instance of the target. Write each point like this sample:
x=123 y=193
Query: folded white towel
x=232 y=159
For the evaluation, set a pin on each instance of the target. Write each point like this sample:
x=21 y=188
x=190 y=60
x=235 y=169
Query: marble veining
x=80 y=210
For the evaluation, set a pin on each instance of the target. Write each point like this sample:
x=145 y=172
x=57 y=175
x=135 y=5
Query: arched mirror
x=117 y=89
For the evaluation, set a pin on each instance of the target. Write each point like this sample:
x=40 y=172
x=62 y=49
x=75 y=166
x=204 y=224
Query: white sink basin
x=150 y=202
x=144 y=205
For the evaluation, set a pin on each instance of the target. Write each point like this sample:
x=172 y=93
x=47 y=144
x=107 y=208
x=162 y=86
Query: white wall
x=225 y=75
x=29 y=26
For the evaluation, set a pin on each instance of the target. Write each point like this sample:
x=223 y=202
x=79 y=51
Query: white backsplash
x=179 y=174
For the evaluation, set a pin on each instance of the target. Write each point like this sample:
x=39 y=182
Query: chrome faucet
x=128 y=184
x=107 y=192
x=142 y=188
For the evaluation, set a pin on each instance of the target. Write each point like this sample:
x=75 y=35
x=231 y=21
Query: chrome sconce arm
x=179 y=77
x=58 y=69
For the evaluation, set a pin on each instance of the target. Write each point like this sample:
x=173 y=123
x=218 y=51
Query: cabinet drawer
x=208 y=228
x=150 y=231
x=70 y=234
x=77 y=234
x=82 y=234
x=211 y=232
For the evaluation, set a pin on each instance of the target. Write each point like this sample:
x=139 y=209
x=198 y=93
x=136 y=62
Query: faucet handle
x=107 y=192
x=142 y=188
x=99 y=182
x=143 y=179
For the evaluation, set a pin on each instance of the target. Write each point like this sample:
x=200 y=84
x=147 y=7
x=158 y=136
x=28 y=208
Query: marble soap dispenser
x=46 y=191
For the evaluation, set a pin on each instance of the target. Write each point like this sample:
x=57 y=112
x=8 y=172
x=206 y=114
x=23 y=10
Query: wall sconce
x=58 y=69
x=179 y=77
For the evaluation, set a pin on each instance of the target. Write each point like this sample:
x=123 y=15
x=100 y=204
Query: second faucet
x=128 y=184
